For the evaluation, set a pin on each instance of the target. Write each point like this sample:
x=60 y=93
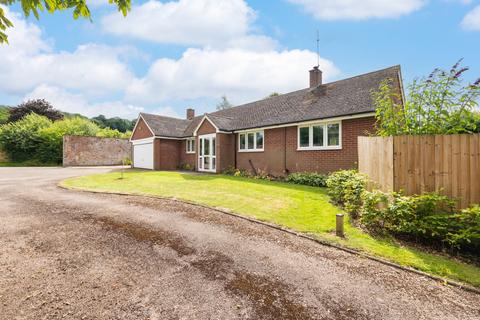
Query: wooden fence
x=449 y=164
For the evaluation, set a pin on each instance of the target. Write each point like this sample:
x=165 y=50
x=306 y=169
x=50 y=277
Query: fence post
x=339 y=229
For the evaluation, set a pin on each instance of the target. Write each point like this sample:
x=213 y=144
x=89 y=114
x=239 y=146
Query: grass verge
x=28 y=163
x=301 y=208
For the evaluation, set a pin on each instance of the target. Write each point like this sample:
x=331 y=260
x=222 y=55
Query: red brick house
x=314 y=129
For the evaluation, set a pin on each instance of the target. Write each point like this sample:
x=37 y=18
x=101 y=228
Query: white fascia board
x=142 y=141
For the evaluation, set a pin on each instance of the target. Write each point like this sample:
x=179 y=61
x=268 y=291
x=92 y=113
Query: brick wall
x=206 y=128
x=187 y=158
x=272 y=159
x=166 y=154
x=95 y=151
x=275 y=158
x=141 y=131
x=3 y=156
x=225 y=151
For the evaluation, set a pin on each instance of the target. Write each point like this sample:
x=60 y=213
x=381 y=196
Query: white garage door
x=143 y=155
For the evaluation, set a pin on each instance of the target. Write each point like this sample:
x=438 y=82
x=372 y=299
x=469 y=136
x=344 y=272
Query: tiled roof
x=340 y=98
x=166 y=126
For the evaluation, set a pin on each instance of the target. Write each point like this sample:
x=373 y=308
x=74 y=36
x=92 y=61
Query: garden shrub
x=127 y=161
x=467 y=234
x=232 y=171
x=374 y=210
x=113 y=133
x=36 y=138
x=242 y=173
x=21 y=139
x=428 y=217
x=186 y=167
x=313 y=179
x=261 y=175
x=345 y=187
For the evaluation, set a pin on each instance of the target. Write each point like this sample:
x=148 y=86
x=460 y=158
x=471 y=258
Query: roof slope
x=166 y=126
x=340 y=98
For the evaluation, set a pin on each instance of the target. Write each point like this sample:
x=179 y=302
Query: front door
x=206 y=153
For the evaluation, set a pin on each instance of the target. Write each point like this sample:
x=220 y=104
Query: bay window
x=251 y=141
x=320 y=136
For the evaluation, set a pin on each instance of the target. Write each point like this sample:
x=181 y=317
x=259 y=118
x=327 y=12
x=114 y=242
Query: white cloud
x=232 y=61
x=189 y=22
x=78 y=103
x=358 y=10
x=472 y=20
x=240 y=74
x=29 y=61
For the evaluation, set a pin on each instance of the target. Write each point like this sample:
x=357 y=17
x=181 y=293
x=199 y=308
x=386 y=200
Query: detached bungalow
x=314 y=129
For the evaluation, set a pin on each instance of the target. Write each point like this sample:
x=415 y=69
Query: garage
x=143 y=154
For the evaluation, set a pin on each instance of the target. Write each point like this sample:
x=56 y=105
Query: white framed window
x=320 y=136
x=251 y=141
x=190 y=145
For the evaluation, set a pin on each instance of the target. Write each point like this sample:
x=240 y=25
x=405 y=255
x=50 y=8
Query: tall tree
x=38 y=106
x=4 y=114
x=224 y=104
x=80 y=9
x=115 y=123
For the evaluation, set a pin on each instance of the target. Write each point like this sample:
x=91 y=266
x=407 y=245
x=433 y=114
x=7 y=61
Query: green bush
x=313 y=179
x=113 y=133
x=21 y=139
x=36 y=138
x=186 y=167
x=430 y=216
x=374 y=213
x=50 y=149
x=232 y=171
x=127 y=161
x=345 y=187
x=467 y=233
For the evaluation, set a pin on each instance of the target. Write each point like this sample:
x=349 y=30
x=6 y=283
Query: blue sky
x=170 y=55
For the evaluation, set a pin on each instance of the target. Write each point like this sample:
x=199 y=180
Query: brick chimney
x=315 y=77
x=190 y=114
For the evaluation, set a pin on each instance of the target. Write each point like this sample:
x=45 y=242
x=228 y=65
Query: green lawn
x=301 y=208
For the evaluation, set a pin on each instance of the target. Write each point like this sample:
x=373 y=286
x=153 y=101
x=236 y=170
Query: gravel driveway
x=77 y=255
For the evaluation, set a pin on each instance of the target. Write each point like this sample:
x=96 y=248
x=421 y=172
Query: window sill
x=190 y=152
x=320 y=148
x=252 y=150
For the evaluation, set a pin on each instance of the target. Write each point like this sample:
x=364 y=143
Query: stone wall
x=95 y=151
x=3 y=156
